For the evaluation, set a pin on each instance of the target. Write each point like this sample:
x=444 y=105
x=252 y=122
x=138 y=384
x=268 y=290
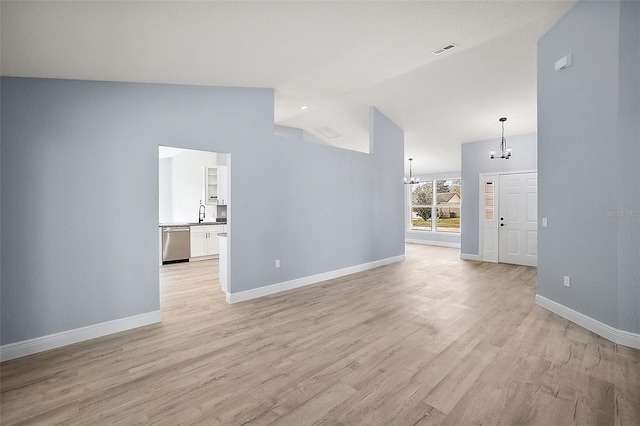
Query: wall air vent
x=444 y=49
x=328 y=132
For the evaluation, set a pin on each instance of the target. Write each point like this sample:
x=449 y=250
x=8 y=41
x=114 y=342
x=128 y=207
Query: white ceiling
x=338 y=58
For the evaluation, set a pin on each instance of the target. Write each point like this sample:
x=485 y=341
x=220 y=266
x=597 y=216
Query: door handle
x=502 y=224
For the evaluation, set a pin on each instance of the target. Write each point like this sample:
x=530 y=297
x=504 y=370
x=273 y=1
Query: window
x=448 y=198
x=421 y=206
x=489 y=206
x=440 y=213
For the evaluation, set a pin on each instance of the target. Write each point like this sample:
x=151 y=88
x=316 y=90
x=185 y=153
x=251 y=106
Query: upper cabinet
x=215 y=185
x=223 y=187
x=210 y=185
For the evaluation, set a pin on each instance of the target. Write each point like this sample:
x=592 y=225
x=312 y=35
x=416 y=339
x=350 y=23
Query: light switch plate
x=564 y=62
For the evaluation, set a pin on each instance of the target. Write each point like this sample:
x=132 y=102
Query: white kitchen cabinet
x=210 y=185
x=204 y=240
x=223 y=185
x=199 y=246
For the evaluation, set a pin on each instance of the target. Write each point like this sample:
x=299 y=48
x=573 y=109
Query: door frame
x=482 y=178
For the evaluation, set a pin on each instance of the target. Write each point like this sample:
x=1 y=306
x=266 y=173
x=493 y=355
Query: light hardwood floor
x=433 y=340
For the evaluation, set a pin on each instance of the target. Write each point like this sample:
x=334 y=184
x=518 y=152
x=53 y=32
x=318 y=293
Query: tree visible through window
x=448 y=198
x=441 y=213
x=421 y=205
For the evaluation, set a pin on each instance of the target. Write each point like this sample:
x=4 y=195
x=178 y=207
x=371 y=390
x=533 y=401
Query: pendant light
x=506 y=152
x=412 y=180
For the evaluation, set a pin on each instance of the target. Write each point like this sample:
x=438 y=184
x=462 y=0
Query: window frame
x=434 y=207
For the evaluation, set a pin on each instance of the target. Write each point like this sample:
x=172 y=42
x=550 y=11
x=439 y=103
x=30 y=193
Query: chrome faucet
x=201 y=212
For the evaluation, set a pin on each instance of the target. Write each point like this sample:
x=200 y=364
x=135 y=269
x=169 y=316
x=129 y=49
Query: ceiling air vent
x=328 y=132
x=444 y=49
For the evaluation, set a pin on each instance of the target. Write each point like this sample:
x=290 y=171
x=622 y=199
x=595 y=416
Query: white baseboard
x=620 y=337
x=305 y=281
x=64 y=338
x=467 y=256
x=432 y=243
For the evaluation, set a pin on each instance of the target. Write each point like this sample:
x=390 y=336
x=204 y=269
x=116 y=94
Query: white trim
x=432 y=243
x=620 y=337
x=68 y=337
x=467 y=256
x=207 y=257
x=305 y=281
x=516 y=172
x=415 y=231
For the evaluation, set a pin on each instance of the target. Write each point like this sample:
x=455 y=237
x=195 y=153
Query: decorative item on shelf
x=412 y=180
x=506 y=152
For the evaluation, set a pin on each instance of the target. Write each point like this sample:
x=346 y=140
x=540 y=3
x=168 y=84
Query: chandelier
x=412 y=180
x=506 y=152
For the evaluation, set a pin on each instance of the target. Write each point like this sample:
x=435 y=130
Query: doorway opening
x=194 y=206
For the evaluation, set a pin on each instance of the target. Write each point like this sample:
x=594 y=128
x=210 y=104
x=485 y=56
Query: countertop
x=166 y=225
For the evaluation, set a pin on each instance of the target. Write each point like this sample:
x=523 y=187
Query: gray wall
x=476 y=160
x=588 y=160
x=165 y=214
x=629 y=169
x=80 y=180
x=430 y=236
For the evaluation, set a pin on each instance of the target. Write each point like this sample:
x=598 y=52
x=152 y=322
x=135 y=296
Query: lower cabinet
x=204 y=240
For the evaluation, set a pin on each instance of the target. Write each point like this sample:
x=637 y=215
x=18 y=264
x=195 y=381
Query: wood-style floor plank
x=433 y=340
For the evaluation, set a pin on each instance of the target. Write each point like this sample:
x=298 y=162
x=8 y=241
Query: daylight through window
x=440 y=213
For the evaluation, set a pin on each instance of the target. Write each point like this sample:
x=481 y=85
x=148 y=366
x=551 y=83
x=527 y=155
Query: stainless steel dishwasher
x=176 y=244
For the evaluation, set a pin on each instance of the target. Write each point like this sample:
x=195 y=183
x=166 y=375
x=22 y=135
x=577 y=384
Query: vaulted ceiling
x=335 y=58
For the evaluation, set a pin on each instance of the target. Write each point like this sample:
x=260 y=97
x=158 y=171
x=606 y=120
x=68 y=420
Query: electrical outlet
x=277 y=263
x=567 y=281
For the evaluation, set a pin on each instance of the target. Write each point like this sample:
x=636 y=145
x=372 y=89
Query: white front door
x=518 y=219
